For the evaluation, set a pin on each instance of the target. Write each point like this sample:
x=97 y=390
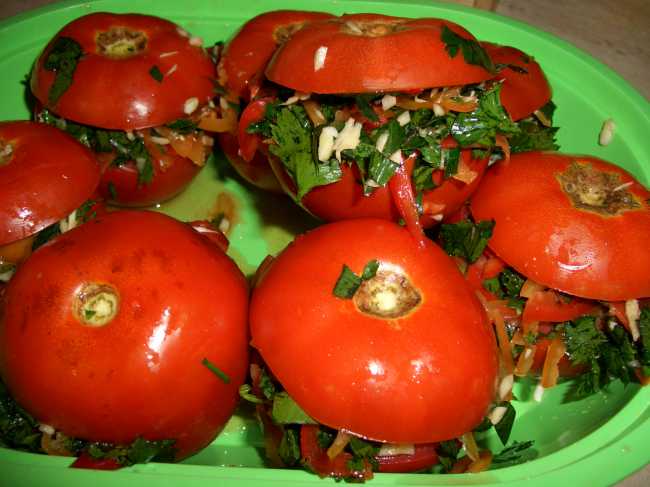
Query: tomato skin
x=344 y=199
x=548 y=306
x=398 y=380
x=424 y=456
x=413 y=56
x=246 y=55
x=544 y=237
x=102 y=96
x=181 y=300
x=521 y=92
x=171 y=175
x=257 y=171
x=48 y=175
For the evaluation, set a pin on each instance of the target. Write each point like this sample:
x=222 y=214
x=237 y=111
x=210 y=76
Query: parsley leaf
x=483 y=124
x=447 y=455
x=183 y=126
x=17 y=428
x=155 y=73
x=286 y=411
x=533 y=135
x=518 y=452
x=504 y=427
x=216 y=371
x=143 y=451
x=466 y=239
x=62 y=59
x=583 y=340
x=363 y=103
x=292 y=134
x=289 y=448
x=472 y=51
x=348 y=282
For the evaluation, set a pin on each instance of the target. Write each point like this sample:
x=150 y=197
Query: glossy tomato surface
x=122 y=185
x=44 y=175
x=245 y=56
x=592 y=246
x=525 y=87
x=344 y=199
x=104 y=331
x=420 y=376
x=115 y=85
x=364 y=53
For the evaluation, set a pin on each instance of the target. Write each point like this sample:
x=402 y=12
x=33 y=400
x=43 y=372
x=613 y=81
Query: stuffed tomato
x=566 y=271
x=373 y=351
x=136 y=89
x=365 y=115
x=138 y=326
x=47 y=180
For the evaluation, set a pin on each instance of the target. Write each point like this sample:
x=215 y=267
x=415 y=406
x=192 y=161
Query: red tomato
x=119 y=315
x=424 y=456
x=250 y=143
x=113 y=87
x=577 y=224
x=171 y=174
x=345 y=199
x=246 y=55
x=525 y=87
x=44 y=175
x=256 y=171
x=409 y=359
x=365 y=53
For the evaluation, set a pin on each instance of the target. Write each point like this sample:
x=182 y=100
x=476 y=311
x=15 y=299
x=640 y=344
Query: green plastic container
x=597 y=441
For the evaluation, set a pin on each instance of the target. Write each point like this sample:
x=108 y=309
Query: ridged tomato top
x=424 y=375
x=363 y=53
x=114 y=85
x=45 y=174
x=573 y=223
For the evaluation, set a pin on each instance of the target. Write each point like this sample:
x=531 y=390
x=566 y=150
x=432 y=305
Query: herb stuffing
x=62 y=59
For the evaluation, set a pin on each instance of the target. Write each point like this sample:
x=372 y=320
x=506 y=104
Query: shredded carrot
x=211 y=122
x=188 y=145
x=340 y=442
x=55 y=445
x=502 y=142
x=313 y=112
x=465 y=173
x=461 y=465
x=454 y=105
x=411 y=104
x=469 y=443
x=551 y=370
x=544 y=120
x=644 y=380
x=529 y=288
x=525 y=361
x=482 y=463
x=503 y=340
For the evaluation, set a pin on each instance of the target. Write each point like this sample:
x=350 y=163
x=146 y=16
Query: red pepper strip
x=618 y=310
x=317 y=460
x=402 y=193
x=249 y=143
x=424 y=456
x=550 y=306
x=86 y=461
x=551 y=369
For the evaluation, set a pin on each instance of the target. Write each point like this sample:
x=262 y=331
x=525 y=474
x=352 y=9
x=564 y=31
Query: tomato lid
x=573 y=223
x=132 y=71
x=45 y=174
x=410 y=358
x=525 y=87
x=246 y=55
x=364 y=53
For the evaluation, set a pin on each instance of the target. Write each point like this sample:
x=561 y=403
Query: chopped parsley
x=216 y=371
x=518 y=452
x=286 y=411
x=348 y=282
x=289 y=448
x=62 y=59
x=472 y=51
x=183 y=126
x=504 y=427
x=155 y=73
x=466 y=239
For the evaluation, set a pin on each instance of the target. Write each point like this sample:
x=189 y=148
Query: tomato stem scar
x=96 y=304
